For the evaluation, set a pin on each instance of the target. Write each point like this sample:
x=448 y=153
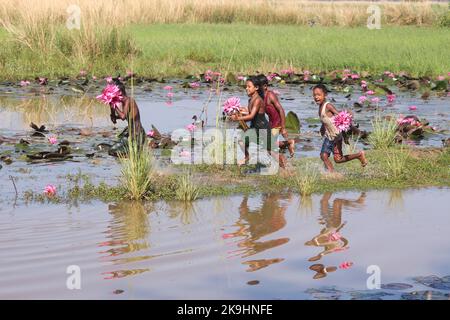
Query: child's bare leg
x=326 y=160
x=339 y=158
x=280 y=158
x=247 y=156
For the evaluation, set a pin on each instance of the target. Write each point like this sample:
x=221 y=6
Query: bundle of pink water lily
x=232 y=105
x=111 y=96
x=343 y=121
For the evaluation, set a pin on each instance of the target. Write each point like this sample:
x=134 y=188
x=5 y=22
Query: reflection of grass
x=383 y=133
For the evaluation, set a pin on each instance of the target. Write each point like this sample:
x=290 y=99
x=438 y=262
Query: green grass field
x=183 y=49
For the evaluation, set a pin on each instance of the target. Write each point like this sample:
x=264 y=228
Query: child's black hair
x=257 y=83
x=121 y=86
x=321 y=87
x=262 y=79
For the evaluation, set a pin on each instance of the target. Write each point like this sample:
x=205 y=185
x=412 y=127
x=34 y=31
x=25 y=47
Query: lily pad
x=396 y=286
x=434 y=282
x=425 y=295
x=292 y=123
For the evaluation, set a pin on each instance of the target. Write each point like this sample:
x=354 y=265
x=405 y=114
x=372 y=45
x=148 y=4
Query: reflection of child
x=333 y=139
x=329 y=237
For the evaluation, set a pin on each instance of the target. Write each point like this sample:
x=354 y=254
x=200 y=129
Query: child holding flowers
x=333 y=124
x=124 y=108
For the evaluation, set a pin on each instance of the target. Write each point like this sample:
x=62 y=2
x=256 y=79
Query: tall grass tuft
x=384 y=131
x=306 y=180
x=138 y=168
x=187 y=189
x=396 y=161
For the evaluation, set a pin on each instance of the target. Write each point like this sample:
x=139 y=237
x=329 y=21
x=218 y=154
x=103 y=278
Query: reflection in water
x=129 y=232
x=255 y=224
x=53 y=110
x=184 y=210
x=396 y=199
x=305 y=205
x=330 y=238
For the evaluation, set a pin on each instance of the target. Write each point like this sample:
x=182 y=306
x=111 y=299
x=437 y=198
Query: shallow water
x=239 y=247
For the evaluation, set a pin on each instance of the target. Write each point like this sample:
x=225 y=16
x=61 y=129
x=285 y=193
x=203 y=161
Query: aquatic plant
x=396 y=162
x=306 y=179
x=187 y=190
x=137 y=169
x=384 y=131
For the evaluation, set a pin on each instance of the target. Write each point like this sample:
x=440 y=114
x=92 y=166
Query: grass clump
x=137 y=169
x=384 y=131
x=187 y=189
x=306 y=179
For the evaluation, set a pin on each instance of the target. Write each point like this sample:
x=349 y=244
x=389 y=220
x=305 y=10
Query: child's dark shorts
x=328 y=146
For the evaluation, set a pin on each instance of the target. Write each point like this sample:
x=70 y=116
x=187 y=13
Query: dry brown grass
x=118 y=13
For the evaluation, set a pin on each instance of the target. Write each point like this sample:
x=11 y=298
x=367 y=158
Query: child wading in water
x=256 y=115
x=333 y=138
x=128 y=111
x=277 y=121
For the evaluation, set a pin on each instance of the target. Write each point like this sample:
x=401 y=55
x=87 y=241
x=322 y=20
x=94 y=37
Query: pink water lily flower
x=375 y=100
x=271 y=76
x=342 y=121
x=52 y=140
x=194 y=85
x=191 y=127
x=170 y=95
x=227 y=235
x=370 y=92
x=43 y=81
x=109 y=79
x=334 y=236
x=151 y=133
x=83 y=72
x=346 y=265
x=355 y=76
x=412 y=108
x=94 y=78
x=231 y=105
x=390 y=98
x=363 y=84
x=288 y=72
x=24 y=83
x=362 y=99
x=50 y=190
x=441 y=78
x=111 y=96
x=184 y=154
x=168 y=88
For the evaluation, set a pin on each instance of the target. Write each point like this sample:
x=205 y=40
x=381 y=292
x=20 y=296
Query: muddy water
x=272 y=246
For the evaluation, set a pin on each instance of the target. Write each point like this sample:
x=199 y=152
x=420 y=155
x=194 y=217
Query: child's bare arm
x=123 y=114
x=332 y=109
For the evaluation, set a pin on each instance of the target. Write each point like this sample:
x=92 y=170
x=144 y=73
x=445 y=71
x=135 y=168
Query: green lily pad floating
x=439 y=85
x=292 y=123
x=312 y=120
x=369 y=295
x=396 y=286
x=434 y=282
x=425 y=295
